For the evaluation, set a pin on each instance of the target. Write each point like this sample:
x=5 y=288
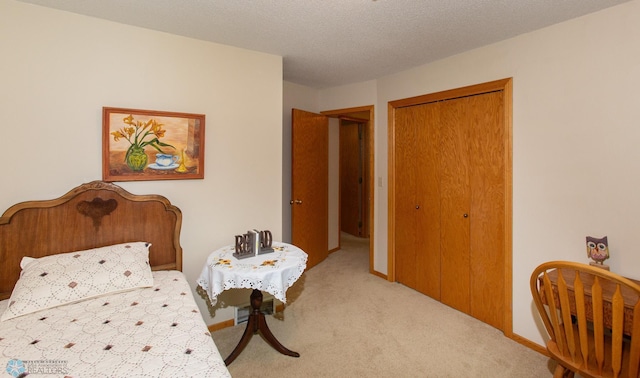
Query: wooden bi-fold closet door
x=449 y=185
x=417 y=220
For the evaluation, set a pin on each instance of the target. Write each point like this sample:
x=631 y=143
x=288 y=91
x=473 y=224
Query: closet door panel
x=487 y=180
x=428 y=199
x=406 y=235
x=454 y=186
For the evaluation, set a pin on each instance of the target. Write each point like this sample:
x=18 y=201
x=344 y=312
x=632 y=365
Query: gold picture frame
x=142 y=145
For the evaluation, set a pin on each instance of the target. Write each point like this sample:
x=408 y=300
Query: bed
x=91 y=286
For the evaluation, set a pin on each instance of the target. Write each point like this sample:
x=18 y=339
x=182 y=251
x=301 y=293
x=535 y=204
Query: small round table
x=272 y=272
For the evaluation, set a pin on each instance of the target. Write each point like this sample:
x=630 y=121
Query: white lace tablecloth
x=272 y=272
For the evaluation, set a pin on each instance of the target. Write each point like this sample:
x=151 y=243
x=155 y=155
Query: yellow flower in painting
x=137 y=133
x=129 y=130
x=157 y=129
x=117 y=135
x=129 y=120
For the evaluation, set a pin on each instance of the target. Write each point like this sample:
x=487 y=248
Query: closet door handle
x=465 y=215
x=417 y=207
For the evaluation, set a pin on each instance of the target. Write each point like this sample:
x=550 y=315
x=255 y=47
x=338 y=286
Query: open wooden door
x=310 y=184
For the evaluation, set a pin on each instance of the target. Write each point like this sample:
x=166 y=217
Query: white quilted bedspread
x=151 y=332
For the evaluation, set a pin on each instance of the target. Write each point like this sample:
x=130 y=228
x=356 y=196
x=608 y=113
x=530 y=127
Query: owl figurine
x=597 y=249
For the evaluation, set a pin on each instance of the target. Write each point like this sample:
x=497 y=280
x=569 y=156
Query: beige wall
x=59 y=69
x=576 y=138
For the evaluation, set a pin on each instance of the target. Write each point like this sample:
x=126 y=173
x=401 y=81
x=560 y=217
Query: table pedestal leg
x=257 y=323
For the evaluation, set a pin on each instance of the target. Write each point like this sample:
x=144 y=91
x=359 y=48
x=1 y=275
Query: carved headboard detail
x=92 y=215
x=96 y=209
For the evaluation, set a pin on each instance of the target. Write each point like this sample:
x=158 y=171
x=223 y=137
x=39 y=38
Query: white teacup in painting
x=165 y=160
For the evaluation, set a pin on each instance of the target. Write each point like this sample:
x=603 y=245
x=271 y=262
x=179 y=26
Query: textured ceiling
x=328 y=43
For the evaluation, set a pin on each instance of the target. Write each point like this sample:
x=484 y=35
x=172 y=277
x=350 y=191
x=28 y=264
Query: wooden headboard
x=92 y=215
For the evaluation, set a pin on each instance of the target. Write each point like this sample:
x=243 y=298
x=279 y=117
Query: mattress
x=149 y=332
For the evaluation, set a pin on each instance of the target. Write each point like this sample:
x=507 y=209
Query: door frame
x=338 y=113
x=505 y=85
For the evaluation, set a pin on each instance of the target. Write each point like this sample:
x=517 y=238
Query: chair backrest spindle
x=598 y=323
x=567 y=321
x=634 y=363
x=581 y=316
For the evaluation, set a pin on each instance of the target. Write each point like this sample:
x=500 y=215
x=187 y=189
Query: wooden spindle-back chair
x=592 y=317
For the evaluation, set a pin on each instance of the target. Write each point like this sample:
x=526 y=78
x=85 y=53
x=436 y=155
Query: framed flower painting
x=142 y=145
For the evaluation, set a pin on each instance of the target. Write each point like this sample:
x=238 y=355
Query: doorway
x=353 y=190
x=354 y=205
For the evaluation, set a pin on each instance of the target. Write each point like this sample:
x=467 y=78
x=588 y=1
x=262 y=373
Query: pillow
x=65 y=278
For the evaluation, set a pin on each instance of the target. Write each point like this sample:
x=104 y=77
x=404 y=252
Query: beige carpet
x=345 y=322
